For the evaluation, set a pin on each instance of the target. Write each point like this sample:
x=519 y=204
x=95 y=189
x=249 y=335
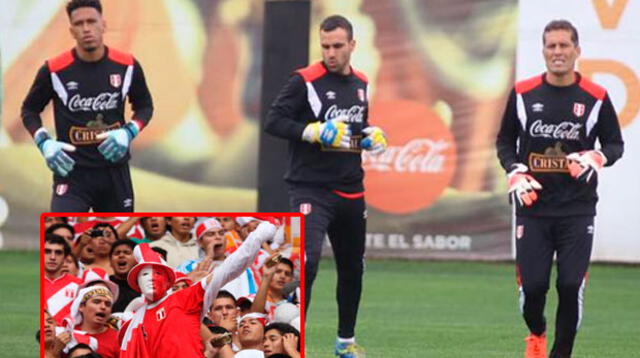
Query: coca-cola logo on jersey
x=355 y=113
x=103 y=102
x=420 y=155
x=564 y=130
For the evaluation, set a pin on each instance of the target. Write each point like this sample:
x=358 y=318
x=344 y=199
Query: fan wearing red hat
x=168 y=324
x=251 y=331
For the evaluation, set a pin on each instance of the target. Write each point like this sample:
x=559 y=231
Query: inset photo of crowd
x=156 y=285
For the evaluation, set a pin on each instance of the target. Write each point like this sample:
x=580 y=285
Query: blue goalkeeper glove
x=54 y=153
x=333 y=133
x=374 y=141
x=116 y=142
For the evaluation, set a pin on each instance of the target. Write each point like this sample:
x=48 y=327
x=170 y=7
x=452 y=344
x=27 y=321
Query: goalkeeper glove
x=374 y=141
x=116 y=142
x=54 y=153
x=333 y=133
x=582 y=165
x=522 y=187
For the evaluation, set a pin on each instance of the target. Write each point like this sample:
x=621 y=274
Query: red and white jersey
x=107 y=342
x=171 y=328
x=59 y=294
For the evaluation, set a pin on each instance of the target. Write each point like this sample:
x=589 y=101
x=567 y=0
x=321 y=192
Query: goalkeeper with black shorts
x=323 y=112
x=88 y=86
x=546 y=144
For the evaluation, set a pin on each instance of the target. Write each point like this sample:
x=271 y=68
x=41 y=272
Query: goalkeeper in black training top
x=88 y=85
x=546 y=144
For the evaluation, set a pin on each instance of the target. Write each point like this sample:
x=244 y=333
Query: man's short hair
x=76 y=4
x=337 y=21
x=562 y=25
x=120 y=242
x=57 y=226
x=58 y=240
x=226 y=294
x=286 y=261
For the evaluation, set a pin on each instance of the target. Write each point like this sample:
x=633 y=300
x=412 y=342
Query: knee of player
x=571 y=287
x=535 y=288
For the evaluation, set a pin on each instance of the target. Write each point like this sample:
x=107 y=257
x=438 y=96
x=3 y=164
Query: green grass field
x=19 y=302
x=461 y=309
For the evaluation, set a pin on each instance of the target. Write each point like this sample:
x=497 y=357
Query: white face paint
x=145 y=281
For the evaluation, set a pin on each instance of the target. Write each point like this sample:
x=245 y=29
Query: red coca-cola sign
x=419 y=162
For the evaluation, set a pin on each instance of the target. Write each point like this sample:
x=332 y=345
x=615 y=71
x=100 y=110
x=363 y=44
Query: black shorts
x=103 y=189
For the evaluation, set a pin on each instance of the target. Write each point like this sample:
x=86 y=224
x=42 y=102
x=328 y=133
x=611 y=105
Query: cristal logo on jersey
x=87 y=135
x=563 y=130
x=115 y=80
x=355 y=113
x=578 y=109
x=554 y=159
x=103 y=102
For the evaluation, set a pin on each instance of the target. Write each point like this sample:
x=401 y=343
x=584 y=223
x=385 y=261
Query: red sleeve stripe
x=593 y=89
x=60 y=62
x=528 y=84
x=360 y=75
x=312 y=72
x=120 y=57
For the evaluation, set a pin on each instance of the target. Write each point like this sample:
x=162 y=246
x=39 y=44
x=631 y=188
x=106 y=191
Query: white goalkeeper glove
x=522 y=186
x=116 y=142
x=583 y=165
x=375 y=140
x=333 y=133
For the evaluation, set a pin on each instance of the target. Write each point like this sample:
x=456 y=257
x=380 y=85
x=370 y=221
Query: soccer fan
x=224 y=313
x=122 y=261
x=232 y=232
x=251 y=334
x=168 y=324
x=103 y=235
x=212 y=252
x=546 y=144
x=270 y=293
x=71 y=266
x=53 y=343
x=88 y=86
x=281 y=338
x=178 y=241
x=154 y=228
x=62 y=229
x=90 y=314
x=59 y=289
x=50 y=220
x=323 y=112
